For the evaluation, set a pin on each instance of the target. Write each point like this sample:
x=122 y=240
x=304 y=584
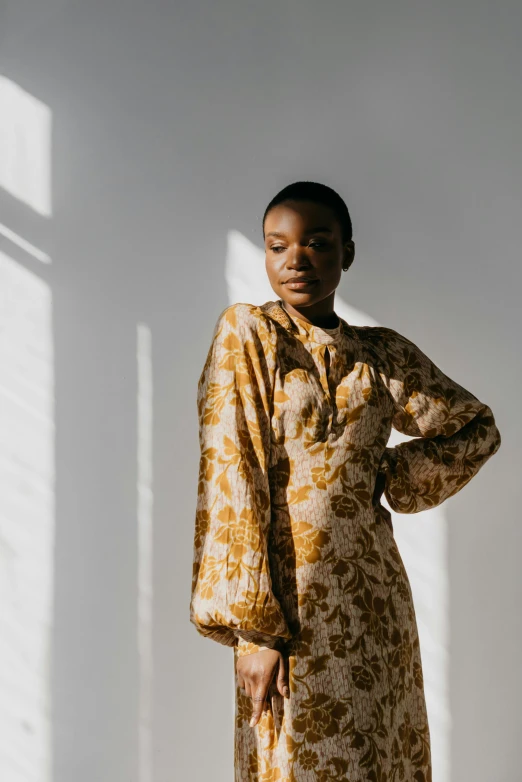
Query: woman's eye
x=277 y=248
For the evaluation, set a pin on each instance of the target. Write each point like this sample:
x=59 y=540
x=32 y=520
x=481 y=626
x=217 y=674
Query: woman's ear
x=348 y=254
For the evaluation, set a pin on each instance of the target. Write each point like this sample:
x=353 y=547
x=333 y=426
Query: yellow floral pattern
x=291 y=552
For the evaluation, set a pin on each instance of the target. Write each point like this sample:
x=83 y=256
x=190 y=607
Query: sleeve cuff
x=245 y=646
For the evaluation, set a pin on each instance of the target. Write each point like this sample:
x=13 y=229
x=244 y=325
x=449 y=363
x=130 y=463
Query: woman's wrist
x=249 y=647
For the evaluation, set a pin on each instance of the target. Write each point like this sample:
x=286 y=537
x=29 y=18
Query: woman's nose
x=297 y=259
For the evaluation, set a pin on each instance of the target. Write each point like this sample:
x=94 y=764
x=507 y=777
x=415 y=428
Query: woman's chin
x=300 y=298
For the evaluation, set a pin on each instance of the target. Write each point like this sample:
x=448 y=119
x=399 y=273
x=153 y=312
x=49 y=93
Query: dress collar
x=301 y=328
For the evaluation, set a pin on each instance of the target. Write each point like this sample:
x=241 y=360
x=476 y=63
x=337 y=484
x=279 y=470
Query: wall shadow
x=170 y=126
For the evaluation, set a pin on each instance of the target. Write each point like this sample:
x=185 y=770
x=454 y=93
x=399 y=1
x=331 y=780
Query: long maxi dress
x=291 y=552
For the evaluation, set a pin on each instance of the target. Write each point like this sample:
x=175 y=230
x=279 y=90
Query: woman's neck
x=328 y=320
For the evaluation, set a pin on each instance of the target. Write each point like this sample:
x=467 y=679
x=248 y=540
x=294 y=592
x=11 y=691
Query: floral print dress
x=291 y=552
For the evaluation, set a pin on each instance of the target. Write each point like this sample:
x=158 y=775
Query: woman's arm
x=455 y=433
x=232 y=600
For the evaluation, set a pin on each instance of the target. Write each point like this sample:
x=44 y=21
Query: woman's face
x=303 y=240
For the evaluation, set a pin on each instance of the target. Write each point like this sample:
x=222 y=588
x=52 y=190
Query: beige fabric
x=289 y=550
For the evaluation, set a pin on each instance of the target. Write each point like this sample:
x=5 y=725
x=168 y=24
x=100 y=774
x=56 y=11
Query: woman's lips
x=300 y=284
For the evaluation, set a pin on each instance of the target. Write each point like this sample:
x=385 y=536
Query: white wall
x=172 y=124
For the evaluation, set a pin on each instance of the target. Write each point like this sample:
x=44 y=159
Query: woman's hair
x=318 y=194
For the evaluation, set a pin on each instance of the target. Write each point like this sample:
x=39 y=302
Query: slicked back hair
x=319 y=194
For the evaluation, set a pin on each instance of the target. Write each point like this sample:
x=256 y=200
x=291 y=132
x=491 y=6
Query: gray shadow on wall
x=170 y=126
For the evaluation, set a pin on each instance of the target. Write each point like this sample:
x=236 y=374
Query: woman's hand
x=255 y=673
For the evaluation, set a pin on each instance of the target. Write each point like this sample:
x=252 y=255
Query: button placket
x=321 y=350
x=318 y=341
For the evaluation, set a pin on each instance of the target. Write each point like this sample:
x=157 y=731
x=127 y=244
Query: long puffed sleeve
x=455 y=433
x=232 y=600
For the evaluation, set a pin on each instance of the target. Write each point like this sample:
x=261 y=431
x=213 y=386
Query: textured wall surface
x=165 y=127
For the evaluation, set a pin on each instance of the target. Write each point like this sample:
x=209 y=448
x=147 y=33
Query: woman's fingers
x=259 y=695
x=260 y=692
x=282 y=678
x=257 y=672
x=240 y=681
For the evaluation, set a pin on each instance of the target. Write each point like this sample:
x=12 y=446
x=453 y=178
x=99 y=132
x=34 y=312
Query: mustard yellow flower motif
x=243 y=708
x=206 y=466
x=319 y=477
x=241 y=533
x=319 y=716
x=266 y=729
x=209 y=575
x=344 y=506
x=373 y=613
x=400 y=657
x=308 y=543
x=408 y=736
x=362 y=677
x=301 y=494
x=309 y=759
x=247 y=612
x=253 y=765
x=418 y=676
x=202 y=522
x=289 y=548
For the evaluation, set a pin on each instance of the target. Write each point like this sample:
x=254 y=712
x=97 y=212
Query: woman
x=295 y=563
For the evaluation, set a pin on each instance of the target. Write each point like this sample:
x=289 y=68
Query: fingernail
x=252 y=722
x=286 y=692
